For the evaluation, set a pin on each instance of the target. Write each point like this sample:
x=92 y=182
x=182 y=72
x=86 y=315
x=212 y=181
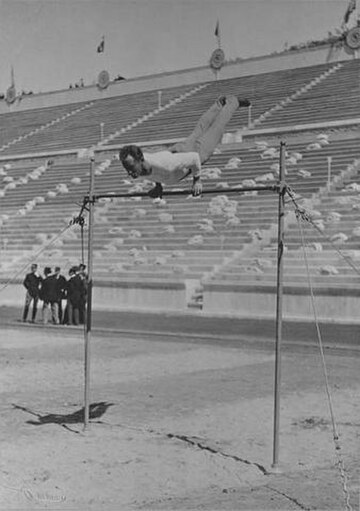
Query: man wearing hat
x=32 y=283
x=49 y=296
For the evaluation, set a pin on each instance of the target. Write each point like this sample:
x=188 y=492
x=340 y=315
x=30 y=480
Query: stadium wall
x=332 y=303
x=133 y=294
x=252 y=302
x=264 y=64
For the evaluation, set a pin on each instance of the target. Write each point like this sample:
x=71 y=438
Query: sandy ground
x=175 y=425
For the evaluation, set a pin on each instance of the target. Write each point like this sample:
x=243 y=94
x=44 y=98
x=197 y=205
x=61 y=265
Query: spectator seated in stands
x=184 y=158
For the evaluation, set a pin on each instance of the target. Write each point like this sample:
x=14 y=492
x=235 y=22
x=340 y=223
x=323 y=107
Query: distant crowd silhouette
x=80 y=84
x=53 y=290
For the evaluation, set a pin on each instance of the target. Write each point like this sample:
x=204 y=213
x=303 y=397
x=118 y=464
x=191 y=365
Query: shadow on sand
x=96 y=410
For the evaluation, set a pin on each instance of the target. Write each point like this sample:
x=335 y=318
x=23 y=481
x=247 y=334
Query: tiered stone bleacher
x=334 y=242
x=182 y=236
x=279 y=98
x=16 y=127
x=131 y=237
x=78 y=125
x=335 y=97
x=266 y=91
x=335 y=226
x=220 y=239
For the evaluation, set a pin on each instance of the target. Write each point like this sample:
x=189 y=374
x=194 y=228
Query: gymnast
x=185 y=158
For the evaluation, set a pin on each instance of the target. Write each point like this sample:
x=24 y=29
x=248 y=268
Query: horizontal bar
x=172 y=193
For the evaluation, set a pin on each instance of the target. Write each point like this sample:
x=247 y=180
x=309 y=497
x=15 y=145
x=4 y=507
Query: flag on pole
x=12 y=77
x=11 y=91
x=217 y=32
x=350 y=8
x=101 y=46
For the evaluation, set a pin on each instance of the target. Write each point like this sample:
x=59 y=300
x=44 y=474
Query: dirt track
x=177 y=425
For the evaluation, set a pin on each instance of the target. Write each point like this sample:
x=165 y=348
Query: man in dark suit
x=75 y=291
x=48 y=294
x=60 y=291
x=32 y=283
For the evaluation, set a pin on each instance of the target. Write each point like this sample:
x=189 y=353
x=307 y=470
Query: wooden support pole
x=87 y=329
x=279 y=299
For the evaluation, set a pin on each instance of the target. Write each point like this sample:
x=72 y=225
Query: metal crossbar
x=174 y=193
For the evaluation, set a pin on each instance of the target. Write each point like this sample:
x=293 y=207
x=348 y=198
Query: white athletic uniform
x=170 y=168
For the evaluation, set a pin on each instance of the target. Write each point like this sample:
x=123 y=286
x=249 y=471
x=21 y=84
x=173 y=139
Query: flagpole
x=217 y=34
x=352 y=6
x=357 y=16
x=88 y=319
x=12 y=76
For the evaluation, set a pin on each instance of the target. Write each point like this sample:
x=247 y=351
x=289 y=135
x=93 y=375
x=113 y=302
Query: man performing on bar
x=184 y=158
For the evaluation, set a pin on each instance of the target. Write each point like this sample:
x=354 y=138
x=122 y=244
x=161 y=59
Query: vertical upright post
x=279 y=298
x=249 y=116
x=82 y=243
x=159 y=98
x=87 y=330
x=102 y=124
x=329 y=161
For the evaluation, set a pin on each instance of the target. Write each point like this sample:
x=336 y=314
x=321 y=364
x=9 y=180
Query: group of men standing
x=52 y=289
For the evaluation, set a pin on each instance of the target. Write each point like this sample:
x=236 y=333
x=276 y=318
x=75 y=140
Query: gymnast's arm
x=195 y=170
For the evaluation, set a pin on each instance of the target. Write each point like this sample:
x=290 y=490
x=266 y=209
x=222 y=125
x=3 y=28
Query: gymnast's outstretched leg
x=202 y=125
x=210 y=139
x=210 y=128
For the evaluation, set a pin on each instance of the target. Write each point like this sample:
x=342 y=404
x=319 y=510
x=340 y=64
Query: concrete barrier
x=112 y=296
x=332 y=303
x=137 y=295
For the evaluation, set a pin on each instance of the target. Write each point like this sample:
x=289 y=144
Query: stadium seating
x=77 y=125
x=266 y=91
x=17 y=127
x=321 y=248
x=137 y=224
x=280 y=98
x=324 y=102
x=218 y=240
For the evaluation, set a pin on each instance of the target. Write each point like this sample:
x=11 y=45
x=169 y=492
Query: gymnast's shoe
x=156 y=192
x=244 y=102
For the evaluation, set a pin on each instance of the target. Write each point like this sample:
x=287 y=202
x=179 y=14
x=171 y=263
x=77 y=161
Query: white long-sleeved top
x=170 y=168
